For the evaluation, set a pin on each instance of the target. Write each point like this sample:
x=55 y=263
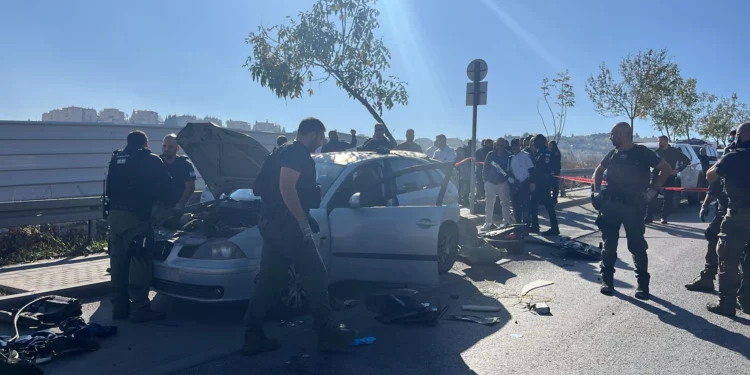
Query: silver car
x=690 y=177
x=402 y=231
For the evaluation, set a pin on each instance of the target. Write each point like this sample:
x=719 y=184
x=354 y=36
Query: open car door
x=384 y=242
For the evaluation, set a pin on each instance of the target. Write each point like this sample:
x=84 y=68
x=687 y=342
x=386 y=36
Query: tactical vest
x=128 y=182
x=735 y=190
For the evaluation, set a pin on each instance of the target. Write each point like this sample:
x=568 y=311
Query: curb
x=75 y=290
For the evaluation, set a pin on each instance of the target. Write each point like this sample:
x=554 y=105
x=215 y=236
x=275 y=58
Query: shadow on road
x=696 y=325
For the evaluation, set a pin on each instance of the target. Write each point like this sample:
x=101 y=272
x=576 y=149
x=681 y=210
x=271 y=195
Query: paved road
x=586 y=333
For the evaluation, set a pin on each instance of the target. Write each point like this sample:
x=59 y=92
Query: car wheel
x=293 y=296
x=447 y=248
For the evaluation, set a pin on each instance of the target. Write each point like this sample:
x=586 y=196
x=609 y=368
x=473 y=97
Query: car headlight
x=218 y=251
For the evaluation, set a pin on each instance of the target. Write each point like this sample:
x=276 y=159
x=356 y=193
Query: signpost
x=476 y=95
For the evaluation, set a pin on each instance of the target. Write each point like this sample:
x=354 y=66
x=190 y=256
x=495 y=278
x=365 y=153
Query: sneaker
x=257 y=343
x=335 y=338
x=552 y=232
x=147 y=316
x=718 y=308
x=664 y=221
x=702 y=283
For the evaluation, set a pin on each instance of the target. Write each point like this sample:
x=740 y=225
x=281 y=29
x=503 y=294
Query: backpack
x=267 y=182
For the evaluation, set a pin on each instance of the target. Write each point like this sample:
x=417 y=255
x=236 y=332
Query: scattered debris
x=516 y=335
x=516 y=321
x=480 y=308
x=509 y=238
x=363 y=341
x=488 y=321
x=581 y=248
x=291 y=323
x=49 y=310
x=541 y=308
x=534 y=285
x=483 y=254
x=401 y=306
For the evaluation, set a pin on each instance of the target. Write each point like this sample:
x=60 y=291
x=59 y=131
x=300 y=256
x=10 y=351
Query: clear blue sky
x=186 y=56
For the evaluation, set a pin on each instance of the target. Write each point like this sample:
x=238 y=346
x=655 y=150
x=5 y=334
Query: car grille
x=189 y=290
x=162 y=250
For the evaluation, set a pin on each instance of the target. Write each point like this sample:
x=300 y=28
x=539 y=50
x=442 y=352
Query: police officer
x=623 y=203
x=544 y=178
x=182 y=172
x=377 y=141
x=137 y=179
x=287 y=232
x=735 y=228
x=678 y=161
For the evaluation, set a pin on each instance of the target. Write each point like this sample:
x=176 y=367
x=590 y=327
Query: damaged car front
x=211 y=251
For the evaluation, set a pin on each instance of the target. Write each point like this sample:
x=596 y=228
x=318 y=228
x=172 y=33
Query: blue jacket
x=490 y=172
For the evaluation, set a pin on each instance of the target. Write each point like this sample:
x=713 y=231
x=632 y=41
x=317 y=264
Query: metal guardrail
x=576 y=172
x=50 y=211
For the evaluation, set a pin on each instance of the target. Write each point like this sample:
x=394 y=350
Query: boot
x=641 y=292
x=534 y=229
x=552 y=232
x=722 y=307
x=608 y=285
x=334 y=338
x=743 y=305
x=146 y=316
x=120 y=310
x=702 y=283
x=256 y=342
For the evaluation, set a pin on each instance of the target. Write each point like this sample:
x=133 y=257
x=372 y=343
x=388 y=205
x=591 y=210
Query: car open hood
x=227 y=160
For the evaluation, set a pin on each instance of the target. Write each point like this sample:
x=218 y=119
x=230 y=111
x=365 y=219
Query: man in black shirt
x=377 y=141
x=556 y=168
x=735 y=229
x=542 y=194
x=287 y=231
x=410 y=145
x=136 y=181
x=623 y=203
x=182 y=172
x=678 y=162
x=335 y=145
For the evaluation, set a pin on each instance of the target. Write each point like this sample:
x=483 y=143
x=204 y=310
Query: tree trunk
x=367 y=105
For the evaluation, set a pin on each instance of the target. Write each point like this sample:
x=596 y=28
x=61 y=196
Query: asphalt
x=585 y=333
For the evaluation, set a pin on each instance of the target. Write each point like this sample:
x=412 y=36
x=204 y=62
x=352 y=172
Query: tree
x=645 y=78
x=335 y=39
x=678 y=111
x=564 y=98
x=721 y=116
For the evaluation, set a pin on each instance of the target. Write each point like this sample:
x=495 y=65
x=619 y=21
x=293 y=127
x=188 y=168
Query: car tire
x=447 y=250
x=292 y=298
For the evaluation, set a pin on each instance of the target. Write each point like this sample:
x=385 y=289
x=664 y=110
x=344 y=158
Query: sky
x=186 y=57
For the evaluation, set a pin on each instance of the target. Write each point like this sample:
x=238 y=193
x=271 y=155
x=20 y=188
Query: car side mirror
x=354 y=201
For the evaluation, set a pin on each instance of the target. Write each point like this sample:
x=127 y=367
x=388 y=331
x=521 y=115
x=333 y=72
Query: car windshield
x=326 y=174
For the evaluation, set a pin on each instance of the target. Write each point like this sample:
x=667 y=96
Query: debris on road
x=363 y=341
x=540 y=308
x=401 y=306
x=534 y=285
x=516 y=335
x=480 y=308
x=581 y=248
x=488 y=321
x=509 y=237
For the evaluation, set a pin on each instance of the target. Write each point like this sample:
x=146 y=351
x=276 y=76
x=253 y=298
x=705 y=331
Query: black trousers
x=666 y=204
x=543 y=196
x=521 y=199
x=612 y=215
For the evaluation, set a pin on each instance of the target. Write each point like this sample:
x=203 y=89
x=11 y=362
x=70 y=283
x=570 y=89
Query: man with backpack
x=288 y=188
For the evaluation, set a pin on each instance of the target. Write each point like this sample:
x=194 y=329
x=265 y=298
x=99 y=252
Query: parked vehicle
x=403 y=231
x=690 y=177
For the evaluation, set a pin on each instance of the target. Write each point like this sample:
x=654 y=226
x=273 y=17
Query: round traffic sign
x=477 y=70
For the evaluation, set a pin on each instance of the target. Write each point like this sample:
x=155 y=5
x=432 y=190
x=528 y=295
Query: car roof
x=355 y=157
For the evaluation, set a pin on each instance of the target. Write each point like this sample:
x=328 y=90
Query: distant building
x=214 y=120
x=112 y=115
x=71 y=114
x=144 y=118
x=184 y=120
x=266 y=127
x=239 y=125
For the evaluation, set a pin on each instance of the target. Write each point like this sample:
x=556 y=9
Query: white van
x=690 y=177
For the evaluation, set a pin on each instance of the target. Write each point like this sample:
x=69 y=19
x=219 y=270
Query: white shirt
x=446 y=154
x=520 y=165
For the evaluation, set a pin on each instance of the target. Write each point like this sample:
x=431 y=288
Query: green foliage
x=564 y=98
x=645 y=77
x=36 y=242
x=678 y=111
x=721 y=116
x=336 y=40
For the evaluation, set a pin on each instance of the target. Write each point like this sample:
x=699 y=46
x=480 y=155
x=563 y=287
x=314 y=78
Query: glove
x=307 y=233
x=650 y=194
x=703 y=213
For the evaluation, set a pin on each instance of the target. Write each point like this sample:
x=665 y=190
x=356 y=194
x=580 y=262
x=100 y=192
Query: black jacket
x=338 y=145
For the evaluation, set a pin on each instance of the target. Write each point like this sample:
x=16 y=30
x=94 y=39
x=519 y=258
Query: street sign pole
x=473 y=177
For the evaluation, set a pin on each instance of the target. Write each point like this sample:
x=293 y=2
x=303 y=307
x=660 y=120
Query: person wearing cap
x=335 y=145
x=377 y=141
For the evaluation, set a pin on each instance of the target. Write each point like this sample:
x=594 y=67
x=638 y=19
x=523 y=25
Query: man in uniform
x=336 y=145
x=287 y=231
x=137 y=179
x=735 y=229
x=542 y=194
x=182 y=172
x=677 y=161
x=377 y=141
x=623 y=203
x=410 y=145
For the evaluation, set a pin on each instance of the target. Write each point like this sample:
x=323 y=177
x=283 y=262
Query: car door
x=384 y=241
x=689 y=175
x=419 y=188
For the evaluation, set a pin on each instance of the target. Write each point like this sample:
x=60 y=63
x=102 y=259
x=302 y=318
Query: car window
x=326 y=174
x=362 y=181
x=411 y=181
x=685 y=150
